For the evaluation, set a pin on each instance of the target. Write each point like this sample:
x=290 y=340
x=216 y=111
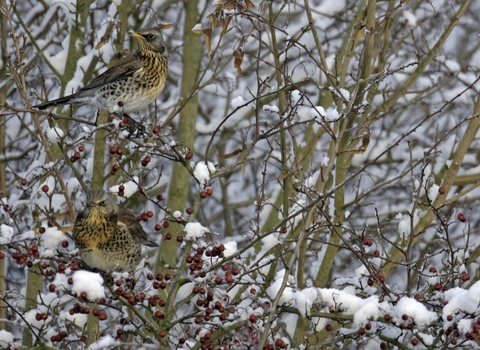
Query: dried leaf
x=361 y=34
x=225 y=24
x=164 y=26
x=230 y=155
x=208 y=39
x=102 y=41
x=213 y=21
x=363 y=147
x=238 y=54
x=198 y=29
x=250 y=4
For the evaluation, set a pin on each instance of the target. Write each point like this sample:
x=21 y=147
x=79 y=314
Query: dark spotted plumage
x=129 y=85
x=109 y=237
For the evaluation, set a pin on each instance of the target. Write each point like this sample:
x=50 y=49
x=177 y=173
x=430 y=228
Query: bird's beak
x=135 y=34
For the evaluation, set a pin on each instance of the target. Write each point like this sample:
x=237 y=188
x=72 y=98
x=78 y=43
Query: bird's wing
x=134 y=227
x=124 y=68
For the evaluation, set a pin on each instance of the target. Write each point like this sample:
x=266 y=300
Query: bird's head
x=99 y=203
x=150 y=39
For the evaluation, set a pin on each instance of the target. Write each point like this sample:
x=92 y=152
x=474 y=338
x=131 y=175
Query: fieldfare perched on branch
x=109 y=237
x=131 y=84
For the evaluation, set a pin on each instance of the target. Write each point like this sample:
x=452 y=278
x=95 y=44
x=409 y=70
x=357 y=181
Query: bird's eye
x=102 y=203
x=150 y=36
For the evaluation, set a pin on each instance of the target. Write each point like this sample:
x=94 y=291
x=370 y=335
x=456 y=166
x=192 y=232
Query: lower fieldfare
x=109 y=237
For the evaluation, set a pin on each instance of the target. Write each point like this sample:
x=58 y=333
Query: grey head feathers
x=101 y=200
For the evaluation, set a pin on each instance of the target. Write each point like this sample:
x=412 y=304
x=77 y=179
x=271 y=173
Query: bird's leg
x=133 y=125
x=96 y=117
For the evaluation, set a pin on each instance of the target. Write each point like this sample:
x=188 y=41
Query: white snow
x=89 y=282
x=237 y=102
x=230 y=249
x=105 y=342
x=414 y=309
x=295 y=96
x=50 y=240
x=197 y=27
x=271 y=109
x=410 y=18
x=194 y=231
x=6 y=232
x=318 y=112
x=55 y=134
x=288 y=294
x=131 y=187
x=6 y=338
x=202 y=172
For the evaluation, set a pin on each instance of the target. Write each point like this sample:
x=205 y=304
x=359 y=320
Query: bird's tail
x=59 y=101
x=151 y=244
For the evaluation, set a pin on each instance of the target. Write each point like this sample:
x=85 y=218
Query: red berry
x=209 y=191
x=168 y=236
x=461 y=217
x=368 y=242
x=113 y=149
x=158 y=227
x=45 y=188
x=51 y=288
x=156 y=130
x=432 y=270
x=189 y=155
x=162 y=334
x=119 y=151
x=166 y=224
x=150 y=213
x=81 y=148
x=76 y=155
x=203 y=194
x=24 y=182
x=189 y=211
x=2 y=255
x=179 y=239
x=414 y=341
x=252 y=318
x=441 y=190
x=159 y=196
